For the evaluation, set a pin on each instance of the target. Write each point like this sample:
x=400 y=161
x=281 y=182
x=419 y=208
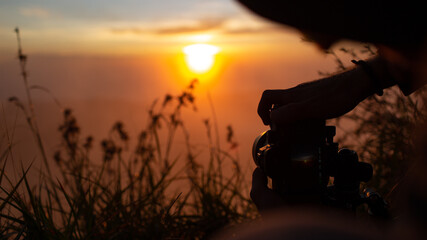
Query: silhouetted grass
x=134 y=192
x=384 y=135
x=128 y=198
x=383 y=129
x=147 y=191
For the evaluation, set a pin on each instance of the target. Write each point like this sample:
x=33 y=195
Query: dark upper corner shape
x=392 y=23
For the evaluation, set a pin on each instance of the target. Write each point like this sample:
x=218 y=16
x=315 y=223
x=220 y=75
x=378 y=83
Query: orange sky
x=112 y=70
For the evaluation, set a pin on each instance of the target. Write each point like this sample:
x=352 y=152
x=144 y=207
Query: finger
x=270 y=97
x=259 y=179
x=263 y=197
x=265 y=104
x=298 y=111
x=259 y=185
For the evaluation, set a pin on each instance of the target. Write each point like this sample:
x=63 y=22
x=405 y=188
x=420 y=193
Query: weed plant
x=383 y=128
x=143 y=196
x=143 y=193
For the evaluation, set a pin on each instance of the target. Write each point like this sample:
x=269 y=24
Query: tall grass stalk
x=146 y=191
x=31 y=115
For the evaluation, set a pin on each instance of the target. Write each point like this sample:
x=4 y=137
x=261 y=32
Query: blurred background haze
x=109 y=60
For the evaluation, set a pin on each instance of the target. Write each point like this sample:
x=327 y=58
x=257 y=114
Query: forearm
x=326 y=98
x=365 y=79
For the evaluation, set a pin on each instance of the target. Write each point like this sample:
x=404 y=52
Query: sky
x=109 y=60
x=149 y=32
x=129 y=26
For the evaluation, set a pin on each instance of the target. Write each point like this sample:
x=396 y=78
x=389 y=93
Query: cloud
x=222 y=25
x=251 y=30
x=36 y=12
x=200 y=26
x=126 y=30
x=248 y=24
x=172 y=28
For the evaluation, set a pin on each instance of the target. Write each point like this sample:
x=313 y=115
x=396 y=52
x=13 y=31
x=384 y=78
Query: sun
x=200 y=57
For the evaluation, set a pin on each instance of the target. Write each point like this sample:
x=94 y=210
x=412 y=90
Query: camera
x=306 y=167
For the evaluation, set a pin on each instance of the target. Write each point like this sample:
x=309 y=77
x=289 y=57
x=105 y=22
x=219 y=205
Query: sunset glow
x=200 y=57
x=113 y=59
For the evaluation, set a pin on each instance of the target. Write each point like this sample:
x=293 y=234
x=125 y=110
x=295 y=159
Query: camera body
x=302 y=158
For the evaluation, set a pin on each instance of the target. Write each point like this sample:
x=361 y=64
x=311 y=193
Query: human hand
x=322 y=99
x=263 y=197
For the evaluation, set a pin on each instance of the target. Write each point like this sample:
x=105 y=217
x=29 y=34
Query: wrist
x=376 y=75
x=382 y=70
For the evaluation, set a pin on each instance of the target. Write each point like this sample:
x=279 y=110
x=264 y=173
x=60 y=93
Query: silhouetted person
x=398 y=29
